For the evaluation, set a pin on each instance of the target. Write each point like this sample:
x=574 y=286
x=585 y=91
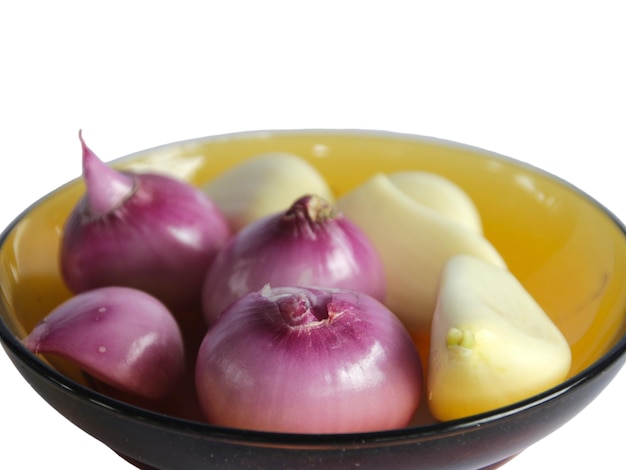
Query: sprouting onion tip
x=106 y=187
x=149 y=231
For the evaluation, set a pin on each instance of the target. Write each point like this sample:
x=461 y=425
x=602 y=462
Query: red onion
x=307 y=360
x=146 y=231
x=311 y=244
x=122 y=336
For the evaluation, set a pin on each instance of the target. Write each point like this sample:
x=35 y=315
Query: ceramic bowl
x=566 y=249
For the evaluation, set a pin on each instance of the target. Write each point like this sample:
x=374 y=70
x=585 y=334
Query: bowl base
x=499 y=464
x=143 y=466
x=136 y=463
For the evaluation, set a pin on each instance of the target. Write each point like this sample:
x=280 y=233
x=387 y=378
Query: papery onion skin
x=310 y=244
x=341 y=363
x=122 y=336
x=161 y=238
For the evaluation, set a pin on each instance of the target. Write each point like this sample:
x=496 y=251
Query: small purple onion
x=121 y=336
x=311 y=244
x=304 y=360
x=147 y=231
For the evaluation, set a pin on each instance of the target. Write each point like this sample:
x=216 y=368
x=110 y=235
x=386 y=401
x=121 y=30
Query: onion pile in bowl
x=290 y=310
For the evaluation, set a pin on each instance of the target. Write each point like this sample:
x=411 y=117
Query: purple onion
x=302 y=360
x=311 y=244
x=121 y=336
x=147 y=231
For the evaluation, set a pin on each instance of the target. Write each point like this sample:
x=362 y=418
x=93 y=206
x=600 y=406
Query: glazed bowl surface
x=568 y=251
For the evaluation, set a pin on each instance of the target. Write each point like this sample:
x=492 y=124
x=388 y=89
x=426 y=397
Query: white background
x=542 y=82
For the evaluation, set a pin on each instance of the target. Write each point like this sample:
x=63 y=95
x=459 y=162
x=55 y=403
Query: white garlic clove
x=414 y=243
x=491 y=343
x=440 y=194
x=264 y=184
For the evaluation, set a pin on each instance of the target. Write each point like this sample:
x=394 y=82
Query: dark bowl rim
x=248 y=437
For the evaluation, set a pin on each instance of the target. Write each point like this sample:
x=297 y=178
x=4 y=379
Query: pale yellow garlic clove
x=491 y=343
x=264 y=184
x=440 y=194
x=414 y=242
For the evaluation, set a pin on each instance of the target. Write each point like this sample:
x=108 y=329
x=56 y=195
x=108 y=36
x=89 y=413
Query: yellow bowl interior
x=568 y=252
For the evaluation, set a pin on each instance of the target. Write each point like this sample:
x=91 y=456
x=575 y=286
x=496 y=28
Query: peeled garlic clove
x=414 y=243
x=440 y=194
x=263 y=185
x=491 y=343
